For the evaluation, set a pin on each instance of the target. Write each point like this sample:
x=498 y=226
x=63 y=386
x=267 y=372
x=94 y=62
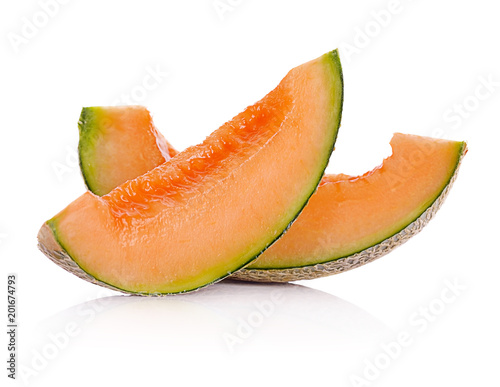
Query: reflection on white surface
x=229 y=323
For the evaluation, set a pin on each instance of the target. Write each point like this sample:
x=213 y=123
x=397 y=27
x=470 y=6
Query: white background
x=411 y=74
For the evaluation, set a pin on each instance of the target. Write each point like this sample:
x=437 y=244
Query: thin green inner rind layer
x=461 y=147
x=87 y=138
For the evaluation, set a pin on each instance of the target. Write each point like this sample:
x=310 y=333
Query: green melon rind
x=49 y=242
x=86 y=145
x=343 y=264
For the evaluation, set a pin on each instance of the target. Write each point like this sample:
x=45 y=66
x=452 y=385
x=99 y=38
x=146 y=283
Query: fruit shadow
x=228 y=317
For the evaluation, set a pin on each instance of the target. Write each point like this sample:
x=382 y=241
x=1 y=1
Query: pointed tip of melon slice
x=51 y=248
x=49 y=245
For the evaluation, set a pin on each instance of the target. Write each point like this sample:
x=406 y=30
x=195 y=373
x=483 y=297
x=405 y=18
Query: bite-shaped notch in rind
x=214 y=207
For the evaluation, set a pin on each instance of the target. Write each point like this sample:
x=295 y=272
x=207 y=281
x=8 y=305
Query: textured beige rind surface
x=53 y=250
x=356 y=260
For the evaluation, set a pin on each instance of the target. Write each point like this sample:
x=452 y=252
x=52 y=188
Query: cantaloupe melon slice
x=215 y=207
x=99 y=150
x=350 y=221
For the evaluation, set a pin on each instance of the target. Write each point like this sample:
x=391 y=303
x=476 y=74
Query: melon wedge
x=213 y=208
x=99 y=149
x=351 y=221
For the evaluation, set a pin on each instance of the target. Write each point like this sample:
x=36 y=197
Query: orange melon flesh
x=214 y=207
x=100 y=150
x=350 y=214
